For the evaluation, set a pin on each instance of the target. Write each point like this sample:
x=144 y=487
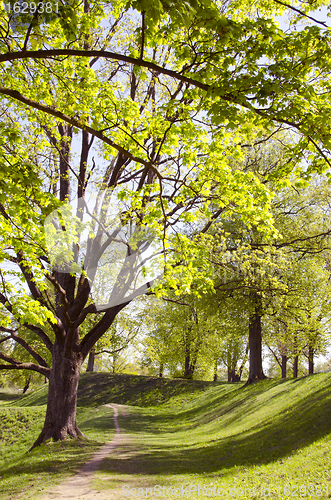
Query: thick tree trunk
x=284 y=365
x=90 y=363
x=231 y=364
x=189 y=363
x=189 y=368
x=295 y=367
x=310 y=360
x=255 y=348
x=161 y=370
x=60 y=420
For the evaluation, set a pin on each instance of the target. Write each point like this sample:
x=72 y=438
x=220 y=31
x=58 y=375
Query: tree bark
x=27 y=385
x=243 y=362
x=90 y=363
x=231 y=374
x=60 y=420
x=295 y=367
x=65 y=146
x=284 y=365
x=215 y=370
x=296 y=358
x=187 y=362
x=310 y=360
x=189 y=367
x=230 y=364
x=114 y=363
x=255 y=348
x=161 y=370
x=188 y=373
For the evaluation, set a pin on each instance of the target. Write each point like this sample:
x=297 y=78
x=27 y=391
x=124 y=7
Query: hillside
x=96 y=389
x=274 y=434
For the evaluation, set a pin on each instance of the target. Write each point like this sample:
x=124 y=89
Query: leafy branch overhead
x=126 y=135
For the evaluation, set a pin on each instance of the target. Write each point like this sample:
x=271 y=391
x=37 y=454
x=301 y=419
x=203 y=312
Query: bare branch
x=7 y=330
x=5 y=338
x=63 y=295
x=322 y=23
x=275 y=355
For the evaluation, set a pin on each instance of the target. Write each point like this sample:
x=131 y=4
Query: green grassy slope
x=273 y=434
x=24 y=474
x=96 y=389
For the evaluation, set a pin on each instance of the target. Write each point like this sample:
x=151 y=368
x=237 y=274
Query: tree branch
x=115 y=351
x=7 y=330
x=25 y=366
x=50 y=54
x=29 y=349
x=41 y=334
x=99 y=329
x=212 y=219
x=275 y=355
x=5 y=338
x=76 y=123
x=63 y=295
x=322 y=23
x=29 y=278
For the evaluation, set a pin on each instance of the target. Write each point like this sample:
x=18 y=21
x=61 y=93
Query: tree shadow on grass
x=96 y=389
x=52 y=461
x=134 y=390
x=277 y=436
x=7 y=396
x=44 y=466
x=102 y=423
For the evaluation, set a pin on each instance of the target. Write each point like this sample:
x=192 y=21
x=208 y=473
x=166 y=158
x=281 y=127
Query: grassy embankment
x=206 y=440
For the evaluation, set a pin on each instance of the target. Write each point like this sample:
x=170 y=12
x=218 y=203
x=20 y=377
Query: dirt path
x=78 y=486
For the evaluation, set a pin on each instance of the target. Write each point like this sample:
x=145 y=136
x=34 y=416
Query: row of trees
x=288 y=277
x=277 y=289
x=129 y=134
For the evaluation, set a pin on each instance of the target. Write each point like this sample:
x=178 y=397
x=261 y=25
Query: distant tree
x=284 y=283
x=116 y=340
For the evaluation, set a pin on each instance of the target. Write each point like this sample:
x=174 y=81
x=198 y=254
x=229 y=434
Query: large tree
x=277 y=279
x=144 y=112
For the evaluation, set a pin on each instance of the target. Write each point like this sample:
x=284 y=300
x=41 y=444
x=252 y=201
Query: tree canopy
x=135 y=118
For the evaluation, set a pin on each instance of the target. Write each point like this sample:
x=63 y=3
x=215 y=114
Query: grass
x=239 y=441
x=96 y=389
x=215 y=440
x=24 y=474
